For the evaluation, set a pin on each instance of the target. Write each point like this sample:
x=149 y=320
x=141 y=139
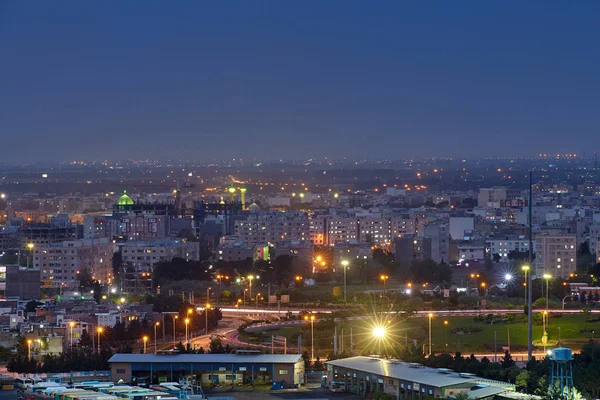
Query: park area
x=467 y=334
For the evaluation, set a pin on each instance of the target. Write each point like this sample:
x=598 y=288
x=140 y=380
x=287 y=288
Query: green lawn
x=472 y=336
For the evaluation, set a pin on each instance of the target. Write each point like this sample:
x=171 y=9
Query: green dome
x=124 y=200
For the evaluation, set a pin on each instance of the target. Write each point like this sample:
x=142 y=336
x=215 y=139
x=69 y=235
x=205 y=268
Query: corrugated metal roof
x=206 y=358
x=400 y=370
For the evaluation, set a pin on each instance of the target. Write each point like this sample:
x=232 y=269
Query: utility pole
x=529 y=291
x=495 y=348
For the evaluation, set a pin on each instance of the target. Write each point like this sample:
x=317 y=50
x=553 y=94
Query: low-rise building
x=369 y=375
x=285 y=370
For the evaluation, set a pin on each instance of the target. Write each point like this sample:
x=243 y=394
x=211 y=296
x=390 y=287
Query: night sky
x=297 y=79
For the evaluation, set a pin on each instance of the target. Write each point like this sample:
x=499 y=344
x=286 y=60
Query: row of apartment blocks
x=329 y=229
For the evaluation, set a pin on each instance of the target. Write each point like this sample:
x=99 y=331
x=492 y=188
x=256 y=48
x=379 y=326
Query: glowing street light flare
x=379 y=332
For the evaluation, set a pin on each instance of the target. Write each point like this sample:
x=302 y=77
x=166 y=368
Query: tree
x=85 y=279
x=507 y=360
x=32 y=305
x=461 y=396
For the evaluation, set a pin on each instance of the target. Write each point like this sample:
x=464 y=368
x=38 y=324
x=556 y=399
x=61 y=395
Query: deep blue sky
x=282 y=79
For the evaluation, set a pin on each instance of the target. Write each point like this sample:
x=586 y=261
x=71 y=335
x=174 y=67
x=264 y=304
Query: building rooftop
x=206 y=358
x=413 y=372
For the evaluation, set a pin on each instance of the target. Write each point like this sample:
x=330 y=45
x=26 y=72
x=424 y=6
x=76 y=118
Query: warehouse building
x=367 y=375
x=245 y=367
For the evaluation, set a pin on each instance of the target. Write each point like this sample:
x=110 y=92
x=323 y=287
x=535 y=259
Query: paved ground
x=299 y=394
x=8 y=395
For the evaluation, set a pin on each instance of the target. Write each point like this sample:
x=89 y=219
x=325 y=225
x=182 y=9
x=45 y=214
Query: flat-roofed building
x=245 y=367
x=368 y=375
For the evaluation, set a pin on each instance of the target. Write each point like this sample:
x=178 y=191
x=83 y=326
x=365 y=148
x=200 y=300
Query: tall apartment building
x=140 y=257
x=134 y=226
x=407 y=249
x=496 y=195
x=439 y=233
x=555 y=255
x=60 y=263
x=503 y=246
x=594 y=241
x=273 y=227
x=334 y=229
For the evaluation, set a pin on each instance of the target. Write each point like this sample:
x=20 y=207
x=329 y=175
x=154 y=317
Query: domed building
x=254 y=208
x=125 y=200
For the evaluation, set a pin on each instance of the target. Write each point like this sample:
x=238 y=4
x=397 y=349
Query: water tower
x=561 y=372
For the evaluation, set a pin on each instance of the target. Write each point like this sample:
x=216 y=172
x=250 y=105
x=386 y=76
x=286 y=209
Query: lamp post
x=563 y=301
x=189 y=313
x=174 y=333
x=71 y=326
x=379 y=333
x=30 y=247
x=206 y=317
x=345 y=266
x=29 y=341
x=250 y=277
x=312 y=335
x=446 y=332
x=187 y=321
x=145 y=340
x=99 y=330
x=547 y=277
x=245 y=290
x=525 y=269
x=430 y=318
x=384 y=278
x=155 y=326
x=483 y=285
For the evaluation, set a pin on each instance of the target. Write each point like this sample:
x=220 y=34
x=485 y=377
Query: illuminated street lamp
x=384 y=278
x=547 y=277
x=145 y=340
x=155 y=326
x=174 y=332
x=484 y=286
x=345 y=266
x=29 y=341
x=379 y=332
x=71 y=326
x=187 y=322
x=99 y=330
x=30 y=247
x=250 y=277
x=525 y=269
x=446 y=332
x=312 y=335
x=430 y=318
x=206 y=317
x=508 y=277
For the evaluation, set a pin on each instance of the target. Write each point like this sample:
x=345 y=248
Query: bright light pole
x=483 y=285
x=345 y=266
x=30 y=247
x=174 y=332
x=446 y=332
x=155 y=326
x=187 y=321
x=250 y=277
x=384 y=278
x=99 y=330
x=29 y=341
x=525 y=269
x=563 y=301
x=245 y=290
x=379 y=333
x=189 y=313
x=206 y=318
x=547 y=277
x=312 y=335
x=430 y=318
x=71 y=326
x=145 y=340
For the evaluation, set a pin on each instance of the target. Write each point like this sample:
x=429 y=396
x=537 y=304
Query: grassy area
x=466 y=333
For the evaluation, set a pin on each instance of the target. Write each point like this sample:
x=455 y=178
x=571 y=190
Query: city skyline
x=289 y=81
